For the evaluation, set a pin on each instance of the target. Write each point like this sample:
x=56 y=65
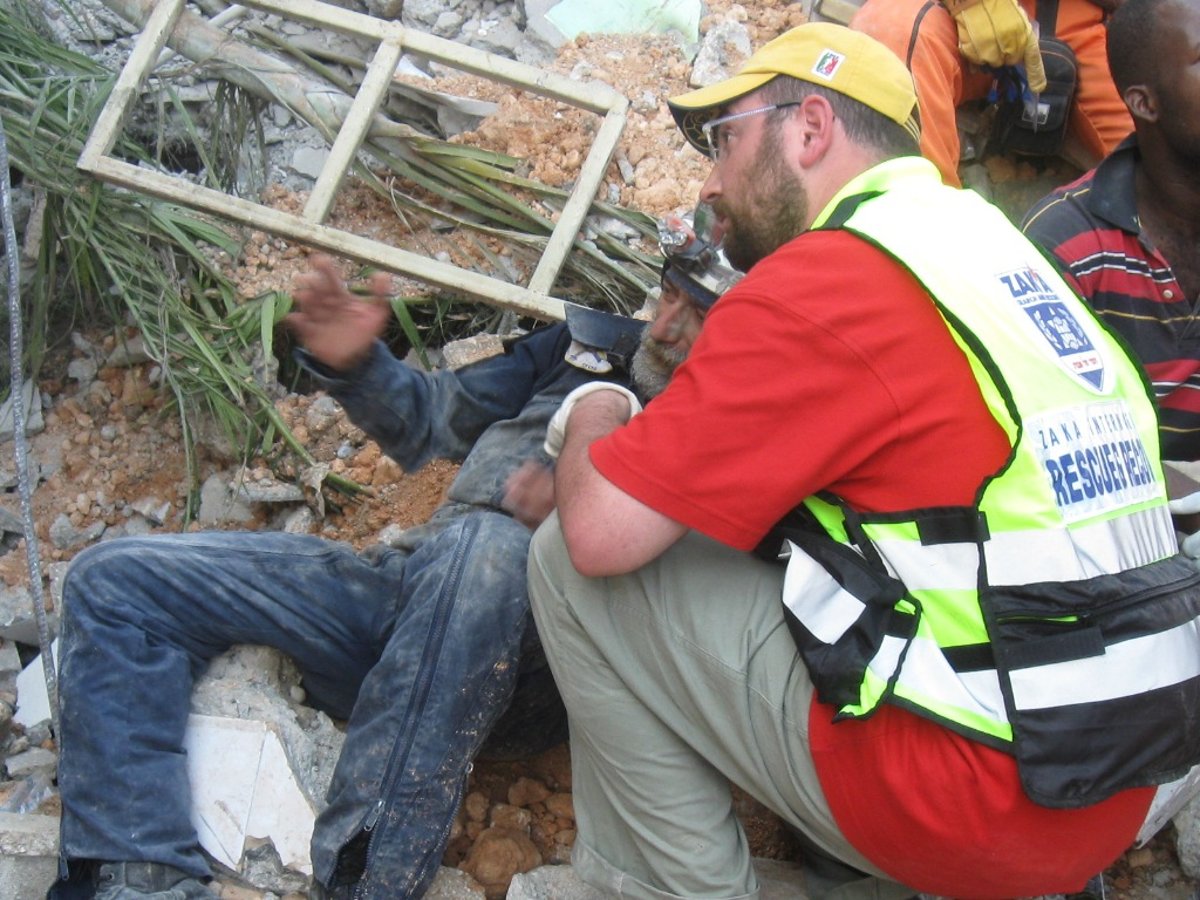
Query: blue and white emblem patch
x=1058 y=326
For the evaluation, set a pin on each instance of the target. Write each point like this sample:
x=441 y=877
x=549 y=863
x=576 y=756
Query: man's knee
x=98 y=577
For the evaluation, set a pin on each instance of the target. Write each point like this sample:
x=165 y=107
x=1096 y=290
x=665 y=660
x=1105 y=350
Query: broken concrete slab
x=260 y=765
x=10 y=517
x=299 y=521
x=551 y=883
x=57 y=573
x=726 y=46
x=33 y=700
x=64 y=534
x=28 y=855
x=454 y=884
x=35 y=759
x=10 y=659
x=255 y=682
x=267 y=490
x=1187 y=838
x=152 y=509
x=129 y=351
x=244 y=792
x=28 y=793
x=18 y=619
x=537 y=23
x=31 y=409
x=219 y=504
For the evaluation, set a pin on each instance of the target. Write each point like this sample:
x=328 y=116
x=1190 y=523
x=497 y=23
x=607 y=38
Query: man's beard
x=775 y=207
x=653 y=364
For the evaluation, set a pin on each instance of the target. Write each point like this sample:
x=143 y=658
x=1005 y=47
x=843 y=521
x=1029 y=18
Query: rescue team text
x=1105 y=468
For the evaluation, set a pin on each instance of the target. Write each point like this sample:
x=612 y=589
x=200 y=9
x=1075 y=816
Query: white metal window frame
x=309 y=227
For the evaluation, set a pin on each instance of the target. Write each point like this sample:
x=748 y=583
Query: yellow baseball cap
x=823 y=53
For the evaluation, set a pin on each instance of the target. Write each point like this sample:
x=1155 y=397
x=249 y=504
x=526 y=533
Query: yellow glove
x=997 y=33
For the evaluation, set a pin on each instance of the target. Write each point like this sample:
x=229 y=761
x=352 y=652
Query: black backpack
x=1038 y=127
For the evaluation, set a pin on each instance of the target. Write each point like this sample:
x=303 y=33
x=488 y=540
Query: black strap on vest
x=952 y=525
x=845 y=209
x=1047 y=17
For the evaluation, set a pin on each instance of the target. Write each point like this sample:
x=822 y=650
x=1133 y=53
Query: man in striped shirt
x=1127 y=233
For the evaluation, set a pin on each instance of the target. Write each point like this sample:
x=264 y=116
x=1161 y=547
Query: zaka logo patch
x=827 y=64
x=1058 y=326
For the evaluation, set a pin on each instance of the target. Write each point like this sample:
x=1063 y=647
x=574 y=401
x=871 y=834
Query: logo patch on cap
x=827 y=64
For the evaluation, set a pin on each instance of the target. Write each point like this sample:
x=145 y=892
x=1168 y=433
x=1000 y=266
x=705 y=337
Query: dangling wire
x=21 y=450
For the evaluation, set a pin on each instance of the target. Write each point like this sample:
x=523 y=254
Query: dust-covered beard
x=772 y=212
x=653 y=364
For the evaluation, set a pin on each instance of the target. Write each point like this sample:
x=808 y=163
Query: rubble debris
x=28 y=854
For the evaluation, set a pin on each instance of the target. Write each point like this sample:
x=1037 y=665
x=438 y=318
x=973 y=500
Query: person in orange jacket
x=946 y=45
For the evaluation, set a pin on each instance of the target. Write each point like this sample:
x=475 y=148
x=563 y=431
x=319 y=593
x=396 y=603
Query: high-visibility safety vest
x=1053 y=618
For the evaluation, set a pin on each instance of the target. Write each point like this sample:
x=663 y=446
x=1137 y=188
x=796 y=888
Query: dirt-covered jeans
x=420 y=651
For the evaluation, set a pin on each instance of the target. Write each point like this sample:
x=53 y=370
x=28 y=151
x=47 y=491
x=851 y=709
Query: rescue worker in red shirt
x=962 y=666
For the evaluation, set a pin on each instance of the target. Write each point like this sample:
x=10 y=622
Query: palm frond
x=110 y=255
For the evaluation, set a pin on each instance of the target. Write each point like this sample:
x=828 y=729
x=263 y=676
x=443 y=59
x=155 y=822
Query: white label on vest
x=1056 y=324
x=588 y=358
x=1094 y=458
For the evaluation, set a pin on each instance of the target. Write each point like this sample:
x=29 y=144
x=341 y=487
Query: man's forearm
x=607 y=532
x=578 y=487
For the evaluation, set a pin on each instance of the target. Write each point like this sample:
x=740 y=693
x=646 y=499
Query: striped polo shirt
x=1090 y=228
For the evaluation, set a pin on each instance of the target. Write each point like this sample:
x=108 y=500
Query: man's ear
x=814 y=123
x=1142 y=102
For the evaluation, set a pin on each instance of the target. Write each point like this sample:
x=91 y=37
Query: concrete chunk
x=28 y=855
x=33 y=703
x=244 y=792
x=18 y=620
x=32 y=760
x=31 y=409
x=259 y=766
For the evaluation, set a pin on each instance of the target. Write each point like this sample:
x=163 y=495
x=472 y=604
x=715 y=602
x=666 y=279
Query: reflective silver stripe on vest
x=1114 y=545
x=1023 y=557
x=927 y=674
x=827 y=611
x=884 y=662
x=816 y=599
x=1145 y=664
x=940 y=567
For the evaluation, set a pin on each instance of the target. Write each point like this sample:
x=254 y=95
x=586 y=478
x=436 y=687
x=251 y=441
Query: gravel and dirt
x=116 y=443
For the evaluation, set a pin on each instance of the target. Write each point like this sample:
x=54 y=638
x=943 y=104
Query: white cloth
x=1189 y=545
x=557 y=429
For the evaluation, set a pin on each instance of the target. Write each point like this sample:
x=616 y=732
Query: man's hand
x=529 y=494
x=332 y=324
x=997 y=33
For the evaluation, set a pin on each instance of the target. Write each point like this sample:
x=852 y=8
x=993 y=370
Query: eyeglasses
x=716 y=144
